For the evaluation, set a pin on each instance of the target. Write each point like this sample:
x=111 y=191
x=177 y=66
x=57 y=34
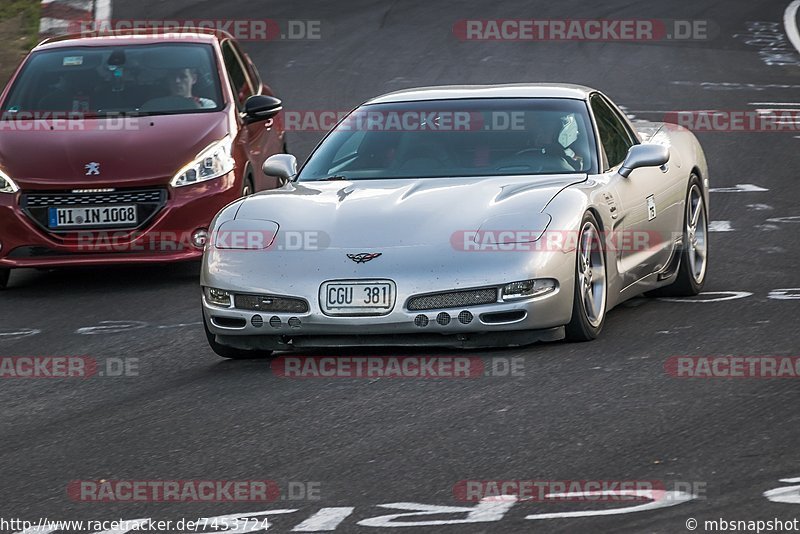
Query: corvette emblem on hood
x=364 y=257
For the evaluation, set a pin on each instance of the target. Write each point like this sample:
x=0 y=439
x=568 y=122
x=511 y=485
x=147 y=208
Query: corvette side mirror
x=644 y=155
x=281 y=166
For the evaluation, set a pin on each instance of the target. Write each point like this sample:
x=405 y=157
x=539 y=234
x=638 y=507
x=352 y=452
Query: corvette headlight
x=218 y=297
x=7 y=185
x=213 y=162
x=245 y=234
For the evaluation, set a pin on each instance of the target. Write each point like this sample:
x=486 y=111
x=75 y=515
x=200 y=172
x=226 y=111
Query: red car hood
x=132 y=152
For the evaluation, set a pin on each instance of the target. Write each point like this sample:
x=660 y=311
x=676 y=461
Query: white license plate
x=122 y=215
x=357 y=297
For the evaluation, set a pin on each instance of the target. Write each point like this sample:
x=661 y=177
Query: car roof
x=510 y=90
x=134 y=37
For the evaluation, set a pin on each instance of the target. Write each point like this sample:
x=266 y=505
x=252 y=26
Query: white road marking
x=326 y=520
x=728 y=295
x=759 y=207
x=787 y=495
x=790 y=480
x=17 y=334
x=739 y=188
x=180 y=325
x=734 y=86
x=775 y=104
x=486 y=511
x=37 y=530
x=792 y=293
x=111 y=327
x=773 y=45
x=720 y=226
x=669 y=498
x=790 y=24
x=247 y=526
x=790 y=219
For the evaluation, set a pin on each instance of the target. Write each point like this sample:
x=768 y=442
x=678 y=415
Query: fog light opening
x=526 y=289
x=465 y=317
x=200 y=237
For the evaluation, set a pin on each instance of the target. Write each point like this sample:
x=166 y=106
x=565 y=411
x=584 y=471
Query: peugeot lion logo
x=92 y=168
x=364 y=257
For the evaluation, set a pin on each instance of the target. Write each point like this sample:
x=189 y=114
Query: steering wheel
x=537 y=160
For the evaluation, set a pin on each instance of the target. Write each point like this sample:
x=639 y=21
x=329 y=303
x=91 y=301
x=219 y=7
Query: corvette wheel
x=589 y=303
x=4 y=274
x=694 y=248
x=230 y=352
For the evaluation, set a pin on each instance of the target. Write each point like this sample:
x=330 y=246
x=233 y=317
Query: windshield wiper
x=334 y=178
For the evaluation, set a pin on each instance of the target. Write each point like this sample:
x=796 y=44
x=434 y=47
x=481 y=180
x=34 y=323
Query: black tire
x=581 y=327
x=687 y=283
x=4 y=275
x=230 y=352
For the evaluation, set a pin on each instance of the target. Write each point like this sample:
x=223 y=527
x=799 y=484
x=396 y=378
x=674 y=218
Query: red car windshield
x=155 y=79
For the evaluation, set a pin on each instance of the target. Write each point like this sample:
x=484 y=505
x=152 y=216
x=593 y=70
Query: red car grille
x=148 y=202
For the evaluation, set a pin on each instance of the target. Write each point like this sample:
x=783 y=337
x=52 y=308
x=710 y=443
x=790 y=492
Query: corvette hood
x=131 y=152
x=406 y=212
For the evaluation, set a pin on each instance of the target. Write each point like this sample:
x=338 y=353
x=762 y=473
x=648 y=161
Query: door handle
x=664 y=167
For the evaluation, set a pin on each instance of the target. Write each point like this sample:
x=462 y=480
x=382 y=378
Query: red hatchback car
x=122 y=147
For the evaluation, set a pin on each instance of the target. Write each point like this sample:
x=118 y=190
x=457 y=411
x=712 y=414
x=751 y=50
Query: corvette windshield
x=132 y=79
x=454 y=138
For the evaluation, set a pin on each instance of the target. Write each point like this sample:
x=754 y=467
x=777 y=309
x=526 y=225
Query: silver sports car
x=462 y=216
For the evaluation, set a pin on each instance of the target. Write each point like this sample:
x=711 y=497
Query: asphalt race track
x=605 y=410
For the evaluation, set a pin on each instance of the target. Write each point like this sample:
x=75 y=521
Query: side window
x=255 y=77
x=236 y=73
x=613 y=135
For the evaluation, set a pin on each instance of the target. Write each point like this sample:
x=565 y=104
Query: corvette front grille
x=453 y=299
